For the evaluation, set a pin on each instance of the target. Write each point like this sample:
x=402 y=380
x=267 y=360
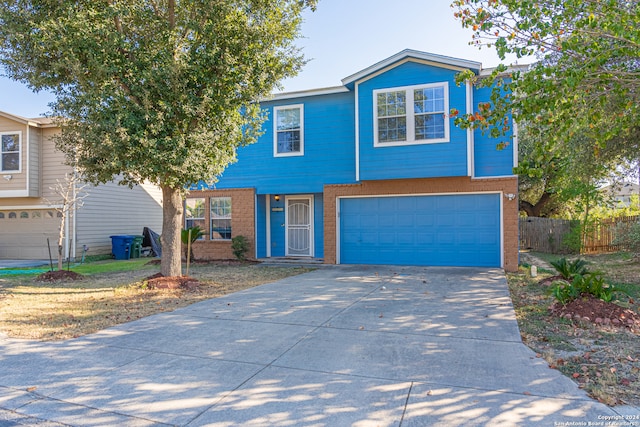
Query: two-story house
x=370 y=172
x=30 y=169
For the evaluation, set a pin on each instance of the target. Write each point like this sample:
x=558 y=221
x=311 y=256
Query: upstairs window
x=411 y=115
x=288 y=129
x=10 y=146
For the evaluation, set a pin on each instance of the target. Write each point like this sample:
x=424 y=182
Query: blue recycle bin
x=121 y=246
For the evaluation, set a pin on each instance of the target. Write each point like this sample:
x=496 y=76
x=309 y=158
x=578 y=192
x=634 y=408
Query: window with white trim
x=194 y=214
x=221 y=218
x=411 y=115
x=10 y=151
x=288 y=130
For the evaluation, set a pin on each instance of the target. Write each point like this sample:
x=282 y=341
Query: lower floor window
x=221 y=218
x=194 y=214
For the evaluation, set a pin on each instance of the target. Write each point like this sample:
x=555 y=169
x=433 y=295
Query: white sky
x=341 y=38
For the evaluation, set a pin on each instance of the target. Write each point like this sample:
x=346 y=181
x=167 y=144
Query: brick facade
x=427 y=186
x=242 y=223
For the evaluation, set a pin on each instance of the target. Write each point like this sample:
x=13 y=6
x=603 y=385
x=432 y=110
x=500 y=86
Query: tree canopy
x=157 y=90
x=586 y=74
x=577 y=104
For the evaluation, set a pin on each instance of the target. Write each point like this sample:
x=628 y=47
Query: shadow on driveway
x=344 y=345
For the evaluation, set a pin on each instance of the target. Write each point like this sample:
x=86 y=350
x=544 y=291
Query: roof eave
x=451 y=62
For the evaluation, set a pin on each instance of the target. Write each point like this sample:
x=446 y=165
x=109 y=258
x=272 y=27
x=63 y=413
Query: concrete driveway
x=340 y=346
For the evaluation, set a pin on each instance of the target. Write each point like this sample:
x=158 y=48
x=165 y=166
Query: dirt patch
x=59 y=275
x=601 y=356
x=212 y=262
x=588 y=308
x=549 y=280
x=158 y=281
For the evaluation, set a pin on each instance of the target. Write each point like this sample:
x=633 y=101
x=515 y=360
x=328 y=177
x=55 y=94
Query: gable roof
x=408 y=54
x=35 y=122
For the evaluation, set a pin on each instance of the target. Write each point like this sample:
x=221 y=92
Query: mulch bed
x=54 y=276
x=158 y=281
x=588 y=308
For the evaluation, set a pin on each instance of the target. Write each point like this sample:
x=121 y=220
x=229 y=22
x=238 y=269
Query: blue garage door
x=451 y=230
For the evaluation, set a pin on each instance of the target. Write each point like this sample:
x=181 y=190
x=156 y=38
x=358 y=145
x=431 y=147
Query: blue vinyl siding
x=318 y=225
x=261 y=226
x=329 y=152
x=442 y=230
x=488 y=159
x=412 y=161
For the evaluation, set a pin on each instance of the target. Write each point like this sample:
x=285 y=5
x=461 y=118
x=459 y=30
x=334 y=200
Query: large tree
x=556 y=179
x=157 y=90
x=586 y=73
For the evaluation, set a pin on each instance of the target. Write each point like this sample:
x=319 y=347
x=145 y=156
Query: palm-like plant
x=569 y=269
x=188 y=236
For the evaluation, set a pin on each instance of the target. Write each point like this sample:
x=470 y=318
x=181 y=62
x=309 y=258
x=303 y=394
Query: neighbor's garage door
x=23 y=234
x=443 y=230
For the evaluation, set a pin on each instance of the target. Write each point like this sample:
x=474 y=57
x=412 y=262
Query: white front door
x=299 y=223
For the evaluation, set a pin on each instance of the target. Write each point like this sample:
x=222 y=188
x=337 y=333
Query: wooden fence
x=551 y=235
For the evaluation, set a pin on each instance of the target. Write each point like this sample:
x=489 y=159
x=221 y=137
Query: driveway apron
x=340 y=346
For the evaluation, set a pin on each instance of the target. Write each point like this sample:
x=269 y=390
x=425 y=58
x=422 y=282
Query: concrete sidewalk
x=340 y=346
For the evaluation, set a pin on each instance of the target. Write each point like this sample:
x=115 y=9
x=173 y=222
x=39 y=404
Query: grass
x=603 y=361
x=111 y=293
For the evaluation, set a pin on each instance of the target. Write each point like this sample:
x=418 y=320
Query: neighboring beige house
x=30 y=167
x=622 y=193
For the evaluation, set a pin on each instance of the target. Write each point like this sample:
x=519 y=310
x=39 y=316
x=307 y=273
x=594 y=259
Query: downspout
x=66 y=234
x=357 y=113
x=28 y=168
x=73 y=219
x=470 y=140
x=268 y=225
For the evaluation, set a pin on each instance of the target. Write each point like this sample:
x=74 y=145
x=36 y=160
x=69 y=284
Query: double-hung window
x=288 y=130
x=10 y=151
x=194 y=214
x=411 y=115
x=221 y=218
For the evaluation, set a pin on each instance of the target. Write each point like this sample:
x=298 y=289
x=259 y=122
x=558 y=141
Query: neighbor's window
x=411 y=115
x=288 y=138
x=194 y=214
x=221 y=218
x=10 y=146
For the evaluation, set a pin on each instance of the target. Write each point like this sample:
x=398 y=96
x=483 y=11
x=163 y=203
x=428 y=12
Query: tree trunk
x=535 y=210
x=61 y=238
x=171 y=226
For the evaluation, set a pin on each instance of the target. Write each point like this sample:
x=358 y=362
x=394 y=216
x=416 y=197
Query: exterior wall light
x=277 y=197
x=510 y=196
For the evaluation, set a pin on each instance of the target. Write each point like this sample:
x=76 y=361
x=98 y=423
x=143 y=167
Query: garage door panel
x=405 y=220
x=425 y=220
x=387 y=238
x=451 y=230
x=425 y=239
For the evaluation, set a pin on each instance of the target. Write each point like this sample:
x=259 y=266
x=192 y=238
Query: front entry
x=299 y=226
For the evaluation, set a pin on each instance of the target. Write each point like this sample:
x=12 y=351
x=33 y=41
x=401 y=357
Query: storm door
x=299 y=226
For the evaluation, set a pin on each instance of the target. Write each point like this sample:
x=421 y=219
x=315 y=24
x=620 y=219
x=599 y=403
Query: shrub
x=569 y=269
x=572 y=241
x=587 y=283
x=240 y=247
x=628 y=235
